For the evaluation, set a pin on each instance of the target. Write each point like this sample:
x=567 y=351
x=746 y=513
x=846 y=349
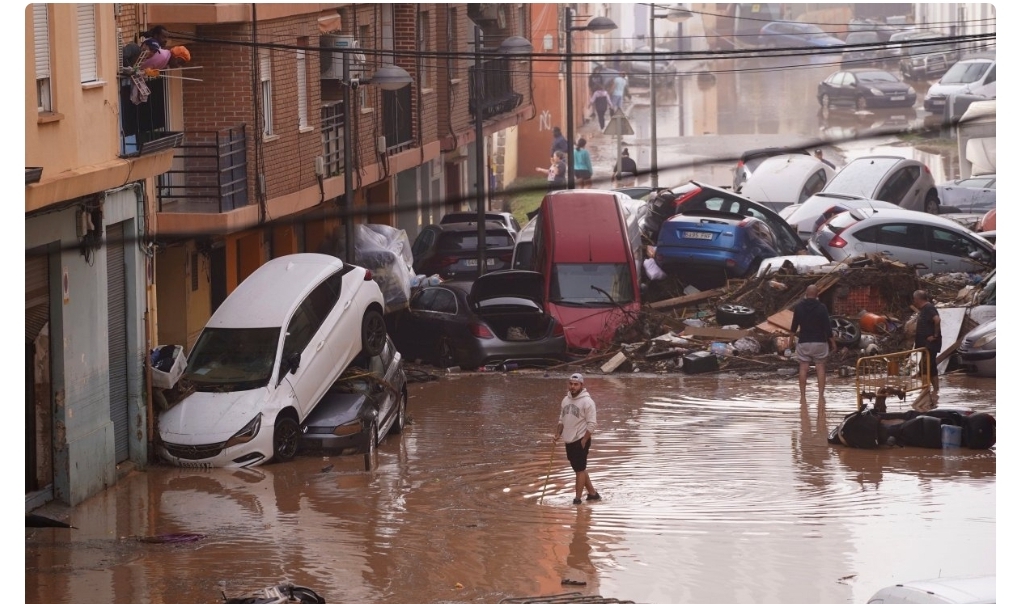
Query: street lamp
x=675 y=15
x=513 y=45
x=597 y=25
x=390 y=77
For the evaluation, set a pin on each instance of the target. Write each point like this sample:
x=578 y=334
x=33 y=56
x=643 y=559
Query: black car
x=451 y=250
x=505 y=218
x=695 y=196
x=864 y=89
x=499 y=318
x=366 y=403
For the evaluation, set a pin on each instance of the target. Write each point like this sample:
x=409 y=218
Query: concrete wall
x=84 y=439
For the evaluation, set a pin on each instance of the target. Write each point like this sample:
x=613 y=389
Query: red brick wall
x=452 y=102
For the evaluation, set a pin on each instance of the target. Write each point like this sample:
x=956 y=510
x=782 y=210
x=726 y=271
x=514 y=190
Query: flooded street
x=715 y=488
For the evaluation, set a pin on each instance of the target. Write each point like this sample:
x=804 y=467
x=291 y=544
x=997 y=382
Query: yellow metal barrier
x=896 y=374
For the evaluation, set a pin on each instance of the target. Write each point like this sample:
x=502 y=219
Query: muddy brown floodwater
x=715 y=489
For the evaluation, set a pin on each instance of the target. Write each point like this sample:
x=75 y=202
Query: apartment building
x=233 y=159
x=87 y=268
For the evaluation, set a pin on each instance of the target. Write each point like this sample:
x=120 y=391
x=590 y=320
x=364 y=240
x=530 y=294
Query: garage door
x=118 y=408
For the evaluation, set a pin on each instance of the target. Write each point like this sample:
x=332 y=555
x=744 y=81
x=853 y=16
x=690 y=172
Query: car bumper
x=499 y=351
x=982 y=363
x=331 y=443
x=703 y=262
x=895 y=100
x=935 y=104
x=216 y=455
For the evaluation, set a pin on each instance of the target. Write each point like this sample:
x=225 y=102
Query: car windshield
x=861 y=177
x=591 y=284
x=876 y=76
x=810 y=30
x=459 y=218
x=233 y=359
x=465 y=241
x=965 y=73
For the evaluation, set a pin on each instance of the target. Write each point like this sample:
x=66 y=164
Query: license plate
x=474 y=262
x=896 y=98
x=698 y=235
x=199 y=465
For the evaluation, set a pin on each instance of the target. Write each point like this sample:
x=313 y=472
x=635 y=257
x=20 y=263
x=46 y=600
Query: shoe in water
x=577 y=501
x=594 y=497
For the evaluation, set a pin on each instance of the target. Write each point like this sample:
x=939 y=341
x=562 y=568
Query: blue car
x=705 y=248
x=791 y=34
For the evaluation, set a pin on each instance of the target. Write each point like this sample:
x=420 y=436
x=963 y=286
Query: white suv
x=975 y=77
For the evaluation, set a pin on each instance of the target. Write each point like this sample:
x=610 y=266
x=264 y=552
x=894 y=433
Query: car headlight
x=248 y=432
x=348 y=429
x=984 y=341
x=875 y=91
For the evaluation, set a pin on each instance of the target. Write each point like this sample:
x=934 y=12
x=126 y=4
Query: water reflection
x=715 y=489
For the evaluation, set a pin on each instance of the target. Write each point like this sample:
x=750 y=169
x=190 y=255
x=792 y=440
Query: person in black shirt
x=928 y=335
x=559 y=142
x=625 y=171
x=814 y=332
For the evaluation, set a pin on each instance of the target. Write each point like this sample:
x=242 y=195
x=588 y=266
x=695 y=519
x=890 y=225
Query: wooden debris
x=714 y=333
x=613 y=363
x=687 y=300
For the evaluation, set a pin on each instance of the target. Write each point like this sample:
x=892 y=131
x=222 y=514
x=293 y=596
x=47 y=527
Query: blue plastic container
x=952 y=437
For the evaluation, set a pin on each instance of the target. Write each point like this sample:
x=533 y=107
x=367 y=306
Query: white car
x=785 y=180
x=969 y=590
x=807 y=217
x=265 y=359
x=930 y=243
x=973 y=76
x=906 y=182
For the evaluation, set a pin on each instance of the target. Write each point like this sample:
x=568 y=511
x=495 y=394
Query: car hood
x=511 y=284
x=211 y=417
x=889 y=87
x=939 y=89
x=591 y=327
x=984 y=329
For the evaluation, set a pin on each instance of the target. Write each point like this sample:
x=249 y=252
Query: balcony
x=332 y=134
x=208 y=174
x=397 y=117
x=492 y=83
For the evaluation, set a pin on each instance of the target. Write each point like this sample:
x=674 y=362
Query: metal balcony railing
x=208 y=173
x=397 y=118
x=492 y=84
x=332 y=135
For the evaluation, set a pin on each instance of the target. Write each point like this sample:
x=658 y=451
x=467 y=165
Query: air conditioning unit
x=332 y=62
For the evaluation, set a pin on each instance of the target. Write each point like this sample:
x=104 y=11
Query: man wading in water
x=577 y=422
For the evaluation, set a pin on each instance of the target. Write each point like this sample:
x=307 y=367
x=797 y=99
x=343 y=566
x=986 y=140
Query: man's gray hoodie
x=579 y=414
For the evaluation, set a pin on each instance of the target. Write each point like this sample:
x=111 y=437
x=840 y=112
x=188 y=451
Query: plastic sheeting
x=386 y=252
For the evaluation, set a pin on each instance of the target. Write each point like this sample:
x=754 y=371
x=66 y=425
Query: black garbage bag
x=979 y=431
x=861 y=429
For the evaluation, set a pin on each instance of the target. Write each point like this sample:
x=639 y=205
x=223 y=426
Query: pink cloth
x=158 y=60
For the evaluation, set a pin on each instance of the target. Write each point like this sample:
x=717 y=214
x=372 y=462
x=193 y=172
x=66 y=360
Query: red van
x=581 y=246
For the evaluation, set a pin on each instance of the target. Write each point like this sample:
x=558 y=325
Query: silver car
x=907 y=183
x=931 y=244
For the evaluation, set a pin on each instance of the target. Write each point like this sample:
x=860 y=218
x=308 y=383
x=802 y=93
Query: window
x=435 y=299
x=302 y=83
x=451 y=40
x=423 y=46
x=364 y=101
x=898 y=185
x=87 y=43
x=266 y=101
x=894 y=235
x=311 y=314
x=813 y=185
x=990 y=76
x=423 y=242
x=849 y=79
x=40 y=19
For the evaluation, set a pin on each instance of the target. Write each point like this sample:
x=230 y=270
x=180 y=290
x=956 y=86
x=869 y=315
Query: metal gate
x=116 y=272
x=894 y=374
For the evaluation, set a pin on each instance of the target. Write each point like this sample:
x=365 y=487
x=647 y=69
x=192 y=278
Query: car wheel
x=735 y=314
x=845 y=332
x=861 y=103
x=374 y=333
x=931 y=203
x=401 y=420
x=286 y=438
x=371 y=450
x=445 y=356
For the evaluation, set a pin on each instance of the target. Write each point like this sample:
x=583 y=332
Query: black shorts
x=930 y=360
x=576 y=453
x=582 y=174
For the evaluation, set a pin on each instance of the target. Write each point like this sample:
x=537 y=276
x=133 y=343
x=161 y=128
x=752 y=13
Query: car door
x=848 y=91
x=310 y=335
x=901 y=242
x=951 y=252
x=423 y=244
x=787 y=239
x=899 y=188
x=430 y=321
x=833 y=87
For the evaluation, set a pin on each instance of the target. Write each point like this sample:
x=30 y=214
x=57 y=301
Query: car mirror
x=976 y=255
x=292 y=362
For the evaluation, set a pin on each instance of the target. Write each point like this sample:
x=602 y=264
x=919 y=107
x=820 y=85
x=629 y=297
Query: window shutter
x=40 y=16
x=301 y=84
x=87 y=42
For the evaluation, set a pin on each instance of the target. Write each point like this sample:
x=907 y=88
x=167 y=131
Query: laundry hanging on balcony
x=148 y=60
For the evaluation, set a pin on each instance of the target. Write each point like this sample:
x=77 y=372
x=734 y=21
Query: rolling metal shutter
x=40 y=18
x=87 y=44
x=116 y=271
